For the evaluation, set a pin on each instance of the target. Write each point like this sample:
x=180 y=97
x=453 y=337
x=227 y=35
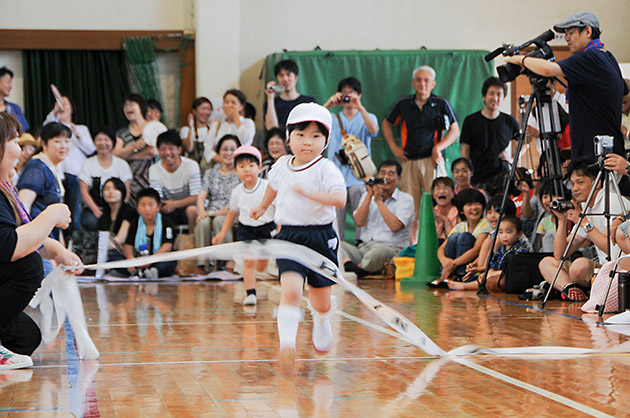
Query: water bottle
x=623 y=291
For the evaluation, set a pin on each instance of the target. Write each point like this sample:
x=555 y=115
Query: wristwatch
x=588 y=228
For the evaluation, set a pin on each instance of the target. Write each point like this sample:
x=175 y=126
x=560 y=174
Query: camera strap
x=343 y=130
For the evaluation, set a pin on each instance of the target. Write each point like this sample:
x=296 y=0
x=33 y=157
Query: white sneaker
x=250 y=300
x=322 y=331
x=151 y=273
x=10 y=360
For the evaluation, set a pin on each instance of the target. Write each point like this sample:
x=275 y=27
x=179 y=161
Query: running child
x=308 y=188
x=247 y=162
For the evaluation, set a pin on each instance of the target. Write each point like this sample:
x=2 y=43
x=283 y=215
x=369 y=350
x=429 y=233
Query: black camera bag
x=521 y=272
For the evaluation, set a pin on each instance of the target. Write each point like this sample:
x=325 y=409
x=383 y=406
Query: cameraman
x=355 y=120
x=385 y=215
x=596 y=87
x=574 y=280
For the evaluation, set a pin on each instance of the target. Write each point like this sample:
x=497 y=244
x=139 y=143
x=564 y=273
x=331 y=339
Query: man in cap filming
x=596 y=87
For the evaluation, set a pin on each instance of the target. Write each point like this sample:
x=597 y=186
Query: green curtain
x=95 y=81
x=385 y=76
x=141 y=60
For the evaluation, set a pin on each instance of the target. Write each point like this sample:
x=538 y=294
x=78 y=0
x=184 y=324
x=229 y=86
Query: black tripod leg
x=573 y=235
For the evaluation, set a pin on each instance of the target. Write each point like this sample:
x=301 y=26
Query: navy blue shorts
x=317 y=237
x=251 y=233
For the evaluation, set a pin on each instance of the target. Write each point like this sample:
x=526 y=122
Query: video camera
x=508 y=72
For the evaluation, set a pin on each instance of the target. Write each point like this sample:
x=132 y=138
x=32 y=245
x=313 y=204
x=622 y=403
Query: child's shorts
x=251 y=233
x=320 y=238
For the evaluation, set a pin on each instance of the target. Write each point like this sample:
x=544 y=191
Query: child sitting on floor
x=151 y=233
x=444 y=211
x=466 y=238
x=509 y=234
x=546 y=229
x=247 y=162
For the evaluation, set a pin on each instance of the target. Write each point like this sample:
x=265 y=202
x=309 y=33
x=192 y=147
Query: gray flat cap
x=579 y=19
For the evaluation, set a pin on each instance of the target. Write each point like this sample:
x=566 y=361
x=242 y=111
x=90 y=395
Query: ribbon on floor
x=270 y=249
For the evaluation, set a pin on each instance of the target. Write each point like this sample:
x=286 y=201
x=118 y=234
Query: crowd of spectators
x=101 y=175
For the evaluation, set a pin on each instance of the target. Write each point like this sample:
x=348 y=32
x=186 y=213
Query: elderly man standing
x=384 y=213
x=423 y=116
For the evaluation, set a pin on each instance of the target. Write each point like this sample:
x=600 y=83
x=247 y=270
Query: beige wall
x=234 y=36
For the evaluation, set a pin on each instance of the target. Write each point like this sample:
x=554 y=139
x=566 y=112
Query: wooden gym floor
x=191 y=349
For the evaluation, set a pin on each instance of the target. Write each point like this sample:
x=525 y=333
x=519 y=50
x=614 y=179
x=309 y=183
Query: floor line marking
x=304 y=360
x=534 y=389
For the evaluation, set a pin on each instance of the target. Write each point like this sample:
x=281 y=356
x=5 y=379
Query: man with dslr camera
x=385 y=215
x=354 y=120
x=596 y=87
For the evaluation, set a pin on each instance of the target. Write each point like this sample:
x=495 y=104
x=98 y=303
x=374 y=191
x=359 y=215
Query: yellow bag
x=404 y=266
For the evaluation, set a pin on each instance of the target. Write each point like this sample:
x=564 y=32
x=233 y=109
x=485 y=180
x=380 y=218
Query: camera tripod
x=607 y=177
x=548 y=127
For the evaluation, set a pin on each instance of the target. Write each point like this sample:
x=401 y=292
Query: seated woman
x=41 y=181
x=95 y=171
x=462 y=173
x=81 y=146
x=194 y=135
x=131 y=147
x=116 y=217
x=444 y=211
x=276 y=144
x=466 y=238
x=217 y=185
x=23 y=244
x=229 y=122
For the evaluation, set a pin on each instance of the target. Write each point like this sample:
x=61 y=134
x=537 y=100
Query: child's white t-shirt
x=319 y=175
x=243 y=200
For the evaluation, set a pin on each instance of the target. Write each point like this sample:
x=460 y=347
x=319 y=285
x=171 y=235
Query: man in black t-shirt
x=487 y=133
x=278 y=106
x=596 y=87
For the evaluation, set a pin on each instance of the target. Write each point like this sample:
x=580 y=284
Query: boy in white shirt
x=308 y=188
x=248 y=163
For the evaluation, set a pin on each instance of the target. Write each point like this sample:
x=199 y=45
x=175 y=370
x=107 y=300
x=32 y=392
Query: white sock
x=322 y=331
x=288 y=320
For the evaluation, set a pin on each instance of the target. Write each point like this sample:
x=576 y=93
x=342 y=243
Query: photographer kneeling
x=574 y=279
x=385 y=215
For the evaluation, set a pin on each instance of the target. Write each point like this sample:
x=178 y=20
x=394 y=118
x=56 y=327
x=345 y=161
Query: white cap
x=310 y=112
